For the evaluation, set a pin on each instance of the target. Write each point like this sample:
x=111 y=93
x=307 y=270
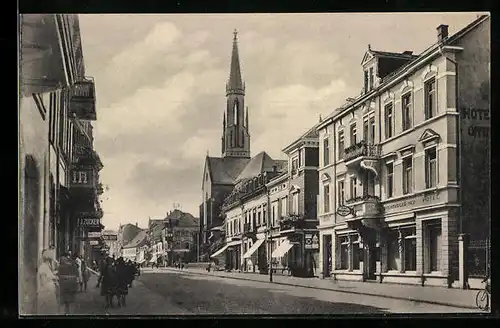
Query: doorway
x=28 y=301
x=373 y=257
x=327 y=255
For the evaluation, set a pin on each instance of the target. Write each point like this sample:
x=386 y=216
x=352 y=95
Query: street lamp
x=268 y=232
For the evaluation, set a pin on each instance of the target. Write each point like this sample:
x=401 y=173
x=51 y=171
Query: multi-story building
x=179 y=236
x=155 y=241
x=131 y=250
x=404 y=167
x=52 y=107
x=278 y=205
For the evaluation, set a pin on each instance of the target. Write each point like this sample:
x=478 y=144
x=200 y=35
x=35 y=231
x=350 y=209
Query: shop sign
x=344 y=210
x=94 y=234
x=311 y=241
x=429 y=198
x=89 y=222
x=110 y=237
x=94 y=242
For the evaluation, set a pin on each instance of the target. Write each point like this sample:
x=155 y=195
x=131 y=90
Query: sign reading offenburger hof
x=89 y=222
x=425 y=199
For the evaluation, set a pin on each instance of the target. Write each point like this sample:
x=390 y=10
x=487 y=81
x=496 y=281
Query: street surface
x=163 y=292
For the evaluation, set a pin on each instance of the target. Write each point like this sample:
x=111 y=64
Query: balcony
x=363 y=156
x=82 y=99
x=292 y=222
x=366 y=212
x=86 y=156
x=249 y=231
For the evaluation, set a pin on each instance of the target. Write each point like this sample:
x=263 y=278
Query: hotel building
x=404 y=167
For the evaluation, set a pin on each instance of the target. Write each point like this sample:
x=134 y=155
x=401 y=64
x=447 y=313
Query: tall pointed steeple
x=235 y=83
x=235 y=136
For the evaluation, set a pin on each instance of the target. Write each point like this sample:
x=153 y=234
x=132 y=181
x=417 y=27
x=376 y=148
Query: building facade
x=396 y=165
x=110 y=238
x=179 y=237
x=56 y=101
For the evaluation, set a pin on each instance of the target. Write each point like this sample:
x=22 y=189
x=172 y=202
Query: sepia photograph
x=254 y=164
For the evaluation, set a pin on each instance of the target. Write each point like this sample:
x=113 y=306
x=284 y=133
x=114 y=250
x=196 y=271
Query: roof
x=138 y=241
x=128 y=232
x=260 y=163
x=225 y=170
x=235 y=82
x=183 y=219
x=310 y=133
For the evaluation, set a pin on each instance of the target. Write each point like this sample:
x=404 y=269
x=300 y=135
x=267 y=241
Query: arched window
x=236 y=112
x=231 y=140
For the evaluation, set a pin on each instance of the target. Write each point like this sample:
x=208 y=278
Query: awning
x=282 y=249
x=153 y=259
x=252 y=249
x=231 y=243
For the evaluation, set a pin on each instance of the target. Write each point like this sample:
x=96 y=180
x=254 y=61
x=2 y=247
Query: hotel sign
x=425 y=199
x=344 y=210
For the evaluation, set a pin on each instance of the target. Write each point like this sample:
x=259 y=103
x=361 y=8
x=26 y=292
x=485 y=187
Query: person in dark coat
x=108 y=282
x=68 y=282
x=122 y=275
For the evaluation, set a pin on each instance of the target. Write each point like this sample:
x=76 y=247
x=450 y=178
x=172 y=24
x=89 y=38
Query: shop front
x=225 y=256
x=413 y=241
x=254 y=253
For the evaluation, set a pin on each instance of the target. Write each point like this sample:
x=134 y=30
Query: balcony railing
x=292 y=221
x=367 y=205
x=82 y=99
x=361 y=149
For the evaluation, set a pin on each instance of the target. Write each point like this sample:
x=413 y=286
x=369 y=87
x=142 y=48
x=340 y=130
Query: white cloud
x=195 y=148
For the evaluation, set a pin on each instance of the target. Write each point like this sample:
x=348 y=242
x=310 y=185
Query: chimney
x=408 y=52
x=137 y=225
x=275 y=168
x=442 y=32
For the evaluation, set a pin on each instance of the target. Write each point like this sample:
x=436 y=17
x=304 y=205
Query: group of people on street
x=60 y=281
x=115 y=278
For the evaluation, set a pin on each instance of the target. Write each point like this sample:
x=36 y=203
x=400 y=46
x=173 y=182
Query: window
x=357 y=253
x=326 y=152
x=284 y=206
x=341 y=193
x=259 y=219
x=353 y=134
x=406 y=111
x=230 y=138
x=372 y=78
x=275 y=213
x=435 y=247
x=235 y=112
x=390 y=179
x=344 y=255
x=393 y=256
x=326 y=198
x=366 y=81
x=372 y=130
x=354 y=187
x=366 y=130
x=295 y=165
x=242 y=139
x=430 y=98
x=430 y=168
x=410 y=249
x=300 y=151
x=388 y=121
x=407 y=175
x=341 y=144
x=295 y=203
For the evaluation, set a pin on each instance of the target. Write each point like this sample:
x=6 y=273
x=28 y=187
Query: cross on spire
x=235 y=33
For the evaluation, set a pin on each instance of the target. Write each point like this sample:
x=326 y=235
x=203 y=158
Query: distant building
x=110 y=238
x=180 y=236
x=131 y=249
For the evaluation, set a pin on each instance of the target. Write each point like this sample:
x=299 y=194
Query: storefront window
x=393 y=262
x=357 y=255
x=435 y=247
x=344 y=257
x=411 y=254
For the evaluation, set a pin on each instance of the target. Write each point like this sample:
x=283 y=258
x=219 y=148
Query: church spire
x=235 y=83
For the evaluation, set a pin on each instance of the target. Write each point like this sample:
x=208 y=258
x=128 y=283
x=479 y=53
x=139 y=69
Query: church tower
x=235 y=135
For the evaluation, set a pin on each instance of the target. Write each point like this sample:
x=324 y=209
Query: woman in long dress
x=68 y=282
x=108 y=282
x=48 y=300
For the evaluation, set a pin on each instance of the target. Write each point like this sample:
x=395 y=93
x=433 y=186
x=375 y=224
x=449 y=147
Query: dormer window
x=366 y=81
x=371 y=78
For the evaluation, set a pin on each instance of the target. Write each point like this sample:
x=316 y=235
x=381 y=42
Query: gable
x=206 y=177
x=428 y=135
x=367 y=57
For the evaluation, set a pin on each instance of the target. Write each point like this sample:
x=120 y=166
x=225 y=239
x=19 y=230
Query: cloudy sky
x=160 y=83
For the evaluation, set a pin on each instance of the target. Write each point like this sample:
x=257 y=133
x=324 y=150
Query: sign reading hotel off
x=426 y=199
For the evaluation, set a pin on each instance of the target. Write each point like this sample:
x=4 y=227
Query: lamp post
x=268 y=234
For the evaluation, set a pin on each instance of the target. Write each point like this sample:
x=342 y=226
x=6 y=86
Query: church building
x=220 y=174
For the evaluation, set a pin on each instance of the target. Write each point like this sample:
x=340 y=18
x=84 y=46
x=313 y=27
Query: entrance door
x=327 y=255
x=31 y=218
x=373 y=253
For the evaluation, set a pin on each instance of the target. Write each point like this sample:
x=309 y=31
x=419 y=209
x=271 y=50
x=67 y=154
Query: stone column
x=463 y=241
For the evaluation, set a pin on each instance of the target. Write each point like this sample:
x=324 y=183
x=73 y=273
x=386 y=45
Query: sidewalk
x=431 y=295
x=140 y=301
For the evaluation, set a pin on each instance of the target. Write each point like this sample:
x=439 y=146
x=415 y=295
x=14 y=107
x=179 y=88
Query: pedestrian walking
x=78 y=262
x=107 y=282
x=68 y=282
x=123 y=279
x=48 y=292
x=85 y=275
